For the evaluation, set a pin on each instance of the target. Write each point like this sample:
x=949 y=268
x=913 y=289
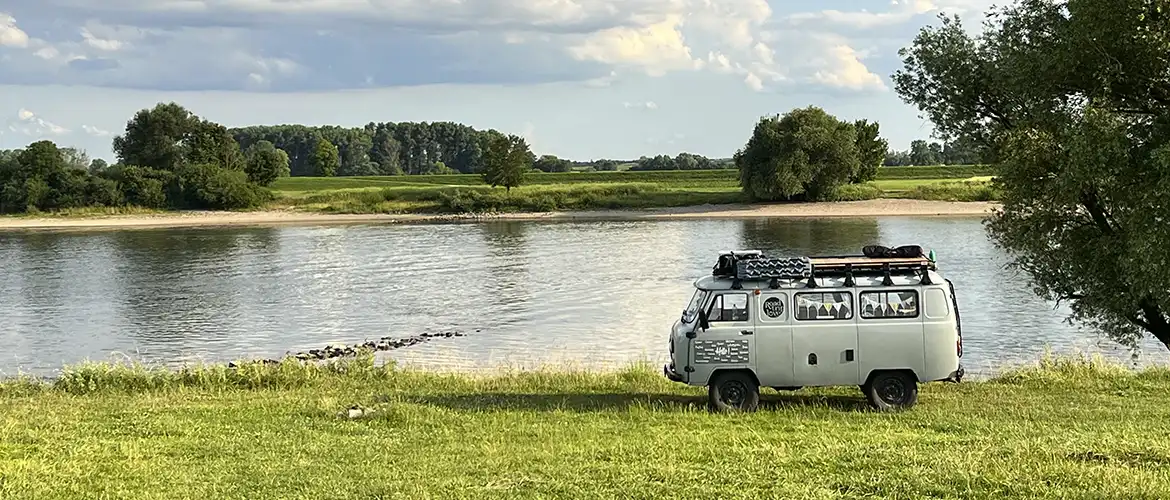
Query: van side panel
x=939 y=335
x=890 y=330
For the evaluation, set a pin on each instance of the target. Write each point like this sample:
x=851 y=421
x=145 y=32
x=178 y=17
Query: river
x=589 y=294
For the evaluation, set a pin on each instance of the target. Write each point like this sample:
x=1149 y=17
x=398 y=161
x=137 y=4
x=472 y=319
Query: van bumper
x=668 y=372
x=956 y=376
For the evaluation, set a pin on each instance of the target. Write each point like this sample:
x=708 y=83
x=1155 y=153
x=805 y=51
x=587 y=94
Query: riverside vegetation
x=168 y=158
x=350 y=428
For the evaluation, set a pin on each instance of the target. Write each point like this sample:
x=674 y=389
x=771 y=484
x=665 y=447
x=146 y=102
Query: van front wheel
x=733 y=391
x=892 y=391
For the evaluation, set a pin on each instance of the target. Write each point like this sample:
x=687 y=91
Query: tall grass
x=484 y=199
x=954 y=191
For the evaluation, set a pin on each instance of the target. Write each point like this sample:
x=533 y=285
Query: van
x=884 y=321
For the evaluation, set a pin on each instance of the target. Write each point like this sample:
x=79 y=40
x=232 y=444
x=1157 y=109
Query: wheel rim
x=733 y=392
x=891 y=390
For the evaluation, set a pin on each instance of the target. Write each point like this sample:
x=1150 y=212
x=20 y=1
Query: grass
x=544 y=192
x=1062 y=428
x=967 y=190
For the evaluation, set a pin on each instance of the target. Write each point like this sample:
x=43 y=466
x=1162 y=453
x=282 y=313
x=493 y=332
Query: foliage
x=871 y=150
x=38 y=178
x=1074 y=99
x=550 y=163
x=506 y=159
x=209 y=186
x=326 y=158
x=169 y=158
x=265 y=163
x=856 y=192
x=955 y=191
x=805 y=154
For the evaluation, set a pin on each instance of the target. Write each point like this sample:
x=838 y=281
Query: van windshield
x=692 y=309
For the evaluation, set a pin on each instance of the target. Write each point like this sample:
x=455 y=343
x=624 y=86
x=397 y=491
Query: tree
x=97 y=166
x=1073 y=98
x=871 y=150
x=265 y=163
x=325 y=158
x=506 y=159
x=806 y=154
x=550 y=163
x=154 y=137
x=75 y=158
x=168 y=136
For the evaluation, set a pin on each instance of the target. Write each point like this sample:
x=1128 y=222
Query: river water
x=593 y=294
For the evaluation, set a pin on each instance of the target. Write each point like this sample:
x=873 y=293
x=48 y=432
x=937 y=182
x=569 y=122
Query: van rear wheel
x=891 y=391
x=733 y=391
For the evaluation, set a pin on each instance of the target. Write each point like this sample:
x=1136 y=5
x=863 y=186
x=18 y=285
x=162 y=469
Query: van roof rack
x=754 y=265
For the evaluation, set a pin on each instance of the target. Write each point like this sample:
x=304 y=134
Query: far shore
x=868 y=208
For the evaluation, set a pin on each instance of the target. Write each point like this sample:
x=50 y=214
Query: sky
x=580 y=79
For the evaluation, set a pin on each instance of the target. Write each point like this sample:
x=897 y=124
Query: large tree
x=1073 y=98
x=506 y=159
x=806 y=154
x=168 y=136
x=265 y=163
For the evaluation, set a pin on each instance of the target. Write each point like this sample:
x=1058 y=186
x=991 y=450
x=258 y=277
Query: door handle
x=745 y=332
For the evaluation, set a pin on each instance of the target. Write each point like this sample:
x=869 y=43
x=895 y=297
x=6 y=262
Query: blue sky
x=581 y=79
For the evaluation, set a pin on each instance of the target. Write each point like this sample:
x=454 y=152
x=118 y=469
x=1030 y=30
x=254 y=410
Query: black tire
x=733 y=391
x=892 y=391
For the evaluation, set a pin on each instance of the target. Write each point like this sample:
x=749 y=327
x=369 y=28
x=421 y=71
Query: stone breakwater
x=383 y=344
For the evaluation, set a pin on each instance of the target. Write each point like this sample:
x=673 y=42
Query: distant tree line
x=963 y=151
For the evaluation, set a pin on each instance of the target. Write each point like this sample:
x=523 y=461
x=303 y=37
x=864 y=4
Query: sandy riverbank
x=869 y=208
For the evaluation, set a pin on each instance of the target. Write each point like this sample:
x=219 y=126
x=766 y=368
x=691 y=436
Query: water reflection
x=810 y=236
x=585 y=292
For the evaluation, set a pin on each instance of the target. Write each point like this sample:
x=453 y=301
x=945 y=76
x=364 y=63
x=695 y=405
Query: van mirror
x=703 y=321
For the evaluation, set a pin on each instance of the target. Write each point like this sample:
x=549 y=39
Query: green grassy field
x=595 y=190
x=1069 y=429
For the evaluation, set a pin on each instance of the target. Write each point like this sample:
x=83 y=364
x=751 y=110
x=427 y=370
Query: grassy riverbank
x=546 y=192
x=1069 y=428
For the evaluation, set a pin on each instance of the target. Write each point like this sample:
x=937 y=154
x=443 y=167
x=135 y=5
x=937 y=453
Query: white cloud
x=655 y=48
x=28 y=123
x=102 y=44
x=650 y=105
x=10 y=34
x=96 y=132
x=846 y=71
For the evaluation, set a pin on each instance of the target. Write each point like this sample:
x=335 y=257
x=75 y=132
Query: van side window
x=729 y=307
x=824 y=306
x=889 y=304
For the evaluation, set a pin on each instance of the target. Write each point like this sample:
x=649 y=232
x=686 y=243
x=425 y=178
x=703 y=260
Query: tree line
x=961 y=151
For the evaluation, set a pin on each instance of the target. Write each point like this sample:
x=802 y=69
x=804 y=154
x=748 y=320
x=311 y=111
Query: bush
x=105 y=192
x=143 y=187
x=856 y=192
x=207 y=186
x=955 y=191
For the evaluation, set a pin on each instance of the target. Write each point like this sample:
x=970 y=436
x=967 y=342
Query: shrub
x=856 y=192
x=208 y=186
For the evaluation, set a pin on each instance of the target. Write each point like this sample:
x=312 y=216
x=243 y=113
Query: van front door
x=824 y=339
x=728 y=340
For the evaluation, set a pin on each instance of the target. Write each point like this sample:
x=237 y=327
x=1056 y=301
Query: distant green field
x=690 y=179
x=466 y=193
